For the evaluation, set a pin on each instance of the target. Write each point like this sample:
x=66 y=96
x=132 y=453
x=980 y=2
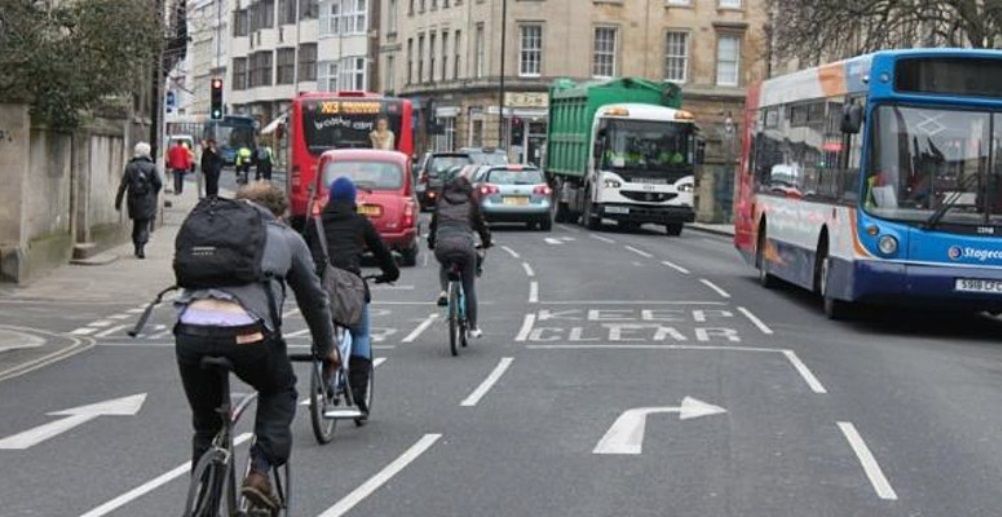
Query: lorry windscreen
x=646 y=148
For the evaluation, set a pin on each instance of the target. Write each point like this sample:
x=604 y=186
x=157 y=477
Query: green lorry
x=623 y=150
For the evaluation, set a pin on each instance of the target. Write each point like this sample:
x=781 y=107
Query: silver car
x=514 y=194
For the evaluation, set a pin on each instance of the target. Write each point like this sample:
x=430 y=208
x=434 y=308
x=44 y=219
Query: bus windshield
x=346 y=124
x=929 y=160
x=646 y=148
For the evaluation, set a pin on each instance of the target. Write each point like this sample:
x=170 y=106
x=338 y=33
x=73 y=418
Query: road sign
x=125 y=406
x=170 y=99
x=626 y=436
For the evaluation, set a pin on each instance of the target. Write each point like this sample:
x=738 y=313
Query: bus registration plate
x=977 y=285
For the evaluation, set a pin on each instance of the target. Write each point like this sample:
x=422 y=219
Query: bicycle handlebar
x=303 y=358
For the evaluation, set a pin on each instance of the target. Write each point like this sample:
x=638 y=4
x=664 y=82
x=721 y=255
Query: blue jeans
x=361 y=343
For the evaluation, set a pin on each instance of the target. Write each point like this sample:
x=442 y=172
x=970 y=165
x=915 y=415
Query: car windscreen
x=495 y=158
x=366 y=174
x=439 y=165
x=515 y=177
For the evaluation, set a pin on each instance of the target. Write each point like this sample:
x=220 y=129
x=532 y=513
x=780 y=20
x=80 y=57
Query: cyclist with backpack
x=348 y=235
x=457 y=215
x=231 y=306
x=142 y=182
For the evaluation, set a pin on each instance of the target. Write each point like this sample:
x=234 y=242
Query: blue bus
x=878 y=179
x=231 y=133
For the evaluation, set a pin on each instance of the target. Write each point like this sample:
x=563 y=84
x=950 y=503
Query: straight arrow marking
x=626 y=436
x=125 y=406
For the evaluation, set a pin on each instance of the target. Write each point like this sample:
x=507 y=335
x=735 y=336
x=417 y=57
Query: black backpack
x=220 y=244
x=139 y=182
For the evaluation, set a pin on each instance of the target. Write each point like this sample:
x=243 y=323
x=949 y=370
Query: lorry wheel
x=589 y=218
x=673 y=229
x=563 y=213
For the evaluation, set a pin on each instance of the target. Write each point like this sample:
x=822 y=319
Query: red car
x=385 y=193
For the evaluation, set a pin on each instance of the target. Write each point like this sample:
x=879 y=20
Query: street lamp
x=504 y=32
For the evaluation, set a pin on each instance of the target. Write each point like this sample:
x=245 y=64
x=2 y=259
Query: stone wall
x=58 y=192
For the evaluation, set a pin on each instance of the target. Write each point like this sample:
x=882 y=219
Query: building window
x=361 y=16
x=477 y=133
x=730 y=4
x=286 y=11
x=420 y=58
x=677 y=56
x=390 y=79
x=239 y=73
x=446 y=142
x=479 y=57
x=328 y=74
x=330 y=18
x=604 y=58
x=531 y=50
x=308 y=62
x=410 y=60
x=308 y=9
x=241 y=22
x=410 y=10
x=456 y=47
x=344 y=17
x=445 y=54
x=728 y=60
x=353 y=74
x=431 y=57
x=285 y=69
x=391 y=17
x=679 y=2
x=262 y=15
x=260 y=69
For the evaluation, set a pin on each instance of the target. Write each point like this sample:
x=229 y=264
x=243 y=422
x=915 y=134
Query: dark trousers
x=466 y=259
x=243 y=173
x=178 y=180
x=211 y=183
x=263 y=171
x=141 y=232
x=263 y=365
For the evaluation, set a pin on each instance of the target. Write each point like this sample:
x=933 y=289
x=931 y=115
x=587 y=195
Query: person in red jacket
x=179 y=161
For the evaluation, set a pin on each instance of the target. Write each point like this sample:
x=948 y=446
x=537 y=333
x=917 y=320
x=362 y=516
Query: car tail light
x=487 y=190
x=408 y=214
x=542 y=190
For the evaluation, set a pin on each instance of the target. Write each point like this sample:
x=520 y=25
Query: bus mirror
x=852 y=118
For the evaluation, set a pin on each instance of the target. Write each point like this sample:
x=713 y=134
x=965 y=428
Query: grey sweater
x=287 y=257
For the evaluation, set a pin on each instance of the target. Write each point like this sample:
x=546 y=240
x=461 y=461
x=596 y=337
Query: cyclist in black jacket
x=349 y=235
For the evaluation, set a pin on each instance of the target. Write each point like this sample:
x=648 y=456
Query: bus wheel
x=834 y=308
x=765 y=279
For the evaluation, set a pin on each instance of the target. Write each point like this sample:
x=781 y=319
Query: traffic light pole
x=156 y=103
x=504 y=31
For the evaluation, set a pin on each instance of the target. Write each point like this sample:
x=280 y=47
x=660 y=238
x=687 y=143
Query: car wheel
x=410 y=255
x=546 y=224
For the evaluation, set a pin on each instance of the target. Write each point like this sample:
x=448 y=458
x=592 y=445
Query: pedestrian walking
x=243 y=164
x=179 y=162
x=143 y=184
x=263 y=159
x=212 y=167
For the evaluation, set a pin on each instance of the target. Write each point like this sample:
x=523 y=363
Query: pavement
x=621 y=373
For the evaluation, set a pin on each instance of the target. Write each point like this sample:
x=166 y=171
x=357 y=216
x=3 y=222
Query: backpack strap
x=276 y=318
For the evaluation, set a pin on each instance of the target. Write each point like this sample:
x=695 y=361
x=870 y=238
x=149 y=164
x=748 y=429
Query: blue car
x=514 y=193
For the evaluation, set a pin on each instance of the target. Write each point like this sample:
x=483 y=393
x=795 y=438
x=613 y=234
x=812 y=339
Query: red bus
x=322 y=121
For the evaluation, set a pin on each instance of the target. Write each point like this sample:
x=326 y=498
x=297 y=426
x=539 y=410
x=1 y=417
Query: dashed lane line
x=375 y=364
x=675 y=266
x=528 y=270
x=375 y=482
x=600 y=238
x=511 y=252
x=423 y=326
x=715 y=287
x=873 y=471
x=488 y=383
x=84 y=331
x=527 y=323
x=640 y=252
x=757 y=322
x=805 y=372
x=534 y=292
x=151 y=485
x=112 y=330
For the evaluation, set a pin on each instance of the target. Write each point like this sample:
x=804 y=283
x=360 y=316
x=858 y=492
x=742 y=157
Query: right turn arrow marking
x=626 y=436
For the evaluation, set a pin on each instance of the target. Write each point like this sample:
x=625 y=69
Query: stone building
x=446 y=55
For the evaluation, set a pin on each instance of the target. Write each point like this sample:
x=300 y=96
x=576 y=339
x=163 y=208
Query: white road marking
x=289 y=313
x=119 y=317
x=155 y=344
x=715 y=287
x=600 y=238
x=655 y=347
x=137 y=310
x=526 y=329
x=569 y=228
x=805 y=372
x=510 y=252
x=79 y=344
x=640 y=252
x=298 y=333
x=365 y=489
x=488 y=383
x=112 y=330
x=151 y=485
x=388 y=287
x=528 y=269
x=424 y=259
x=870 y=465
x=534 y=292
x=100 y=323
x=73 y=417
x=754 y=319
x=83 y=331
x=630 y=302
x=567 y=239
x=676 y=267
x=420 y=328
x=626 y=436
x=551 y=240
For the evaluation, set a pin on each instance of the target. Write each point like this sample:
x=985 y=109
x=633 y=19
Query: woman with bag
x=338 y=238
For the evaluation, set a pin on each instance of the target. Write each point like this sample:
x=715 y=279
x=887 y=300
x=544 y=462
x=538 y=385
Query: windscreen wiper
x=937 y=216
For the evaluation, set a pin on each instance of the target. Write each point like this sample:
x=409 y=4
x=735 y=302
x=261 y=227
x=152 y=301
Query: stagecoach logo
x=979 y=254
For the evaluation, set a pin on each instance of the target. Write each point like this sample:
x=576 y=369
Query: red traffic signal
x=216 y=110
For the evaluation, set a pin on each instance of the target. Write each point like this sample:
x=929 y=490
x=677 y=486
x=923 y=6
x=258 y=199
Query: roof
x=641 y=112
x=369 y=155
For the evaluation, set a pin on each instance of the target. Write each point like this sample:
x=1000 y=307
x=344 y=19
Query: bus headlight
x=611 y=183
x=686 y=187
x=888 y=245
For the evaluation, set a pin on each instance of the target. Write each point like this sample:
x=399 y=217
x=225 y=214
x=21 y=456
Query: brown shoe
x=257 y=490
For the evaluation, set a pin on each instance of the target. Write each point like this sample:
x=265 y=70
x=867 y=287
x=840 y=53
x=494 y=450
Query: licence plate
x=976 y=285
x=617 y=210
x=516 y=200
x=370 y=210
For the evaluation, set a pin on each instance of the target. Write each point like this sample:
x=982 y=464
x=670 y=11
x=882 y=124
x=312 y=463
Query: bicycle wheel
x=320 y=401
x=453 y=318
x=205 y=494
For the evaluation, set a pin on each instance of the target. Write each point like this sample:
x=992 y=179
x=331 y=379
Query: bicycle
x=213 y=479
x=328 y=394
x=456 y=306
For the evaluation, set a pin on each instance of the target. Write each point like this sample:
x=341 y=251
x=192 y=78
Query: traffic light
x=216 y=111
